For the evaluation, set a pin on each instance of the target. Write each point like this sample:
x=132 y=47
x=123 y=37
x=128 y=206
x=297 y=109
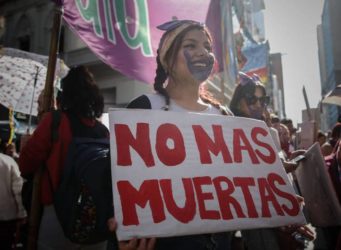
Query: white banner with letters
x=177 y=173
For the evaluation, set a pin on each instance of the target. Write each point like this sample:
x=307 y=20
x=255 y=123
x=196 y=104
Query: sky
x=290 y=27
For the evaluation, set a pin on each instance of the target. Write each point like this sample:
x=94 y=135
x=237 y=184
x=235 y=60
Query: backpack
x=83 y=200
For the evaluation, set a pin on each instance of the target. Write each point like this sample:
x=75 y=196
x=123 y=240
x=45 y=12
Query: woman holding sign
x=185 y=59
x=250 y=100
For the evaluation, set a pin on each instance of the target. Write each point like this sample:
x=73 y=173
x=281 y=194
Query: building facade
x=329 y=35
x=277 y=87
x=28 y=26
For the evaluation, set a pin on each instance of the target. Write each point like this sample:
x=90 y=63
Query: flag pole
x=307 y=103
x=32 y=100
x=48 y=103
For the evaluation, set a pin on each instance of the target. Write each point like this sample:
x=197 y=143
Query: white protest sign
x=180 y=173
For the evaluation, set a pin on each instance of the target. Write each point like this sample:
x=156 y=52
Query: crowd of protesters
x=184 y=61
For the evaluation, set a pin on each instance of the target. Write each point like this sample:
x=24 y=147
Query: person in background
x=250 y=100
x=12 y=212
x=288 y=122
x=275 y=121
x=328 y=147
x=185 y=60
x=321 y=137
x=81 y=101
x=331 y=235
x=284 y=137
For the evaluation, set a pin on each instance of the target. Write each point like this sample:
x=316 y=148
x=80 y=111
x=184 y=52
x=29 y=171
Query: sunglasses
x=251 y=100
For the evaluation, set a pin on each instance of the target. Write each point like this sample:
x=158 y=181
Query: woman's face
x=252 y=106
x=195 y=58
x=284 y=134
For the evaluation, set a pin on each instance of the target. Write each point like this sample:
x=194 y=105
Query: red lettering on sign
x=202 y=196
x=221 y=191
x=225 y=198
x=170 y=157
x=141 y=144
x=267 y=196
x=240 y=142
x=271 y=158
x=206 y=144
x=130 y=197
x=187 y=212
x=295 y=209
x=244 y=183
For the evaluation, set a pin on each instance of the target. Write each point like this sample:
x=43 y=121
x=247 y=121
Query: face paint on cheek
x=200 y=69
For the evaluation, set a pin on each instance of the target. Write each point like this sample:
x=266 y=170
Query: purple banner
x=123 y=34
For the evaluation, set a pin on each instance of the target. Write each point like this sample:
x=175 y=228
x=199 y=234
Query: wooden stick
x=36 y=206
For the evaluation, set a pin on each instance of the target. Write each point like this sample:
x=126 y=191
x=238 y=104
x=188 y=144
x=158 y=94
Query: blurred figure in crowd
x=275 y=121
x=12 y=212
x=292 y=132
x=288 y=122
x=250 y=100
x=327 y=147
x=321 y=137
x=284 y=137
x=331 y=235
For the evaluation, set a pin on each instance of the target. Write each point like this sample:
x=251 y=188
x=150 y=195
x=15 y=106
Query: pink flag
x=123 y=33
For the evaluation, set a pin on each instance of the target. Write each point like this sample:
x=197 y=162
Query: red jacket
x=40 y=149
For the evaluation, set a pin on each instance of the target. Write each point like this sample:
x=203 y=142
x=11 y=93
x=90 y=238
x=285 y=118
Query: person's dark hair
x=160 y=78
x=335 y=135
x=80 y=94
x=274 y=118
x=336 y=131
x=320 y=134
x=286 y=121
x=246 y=87
x=170 y=57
